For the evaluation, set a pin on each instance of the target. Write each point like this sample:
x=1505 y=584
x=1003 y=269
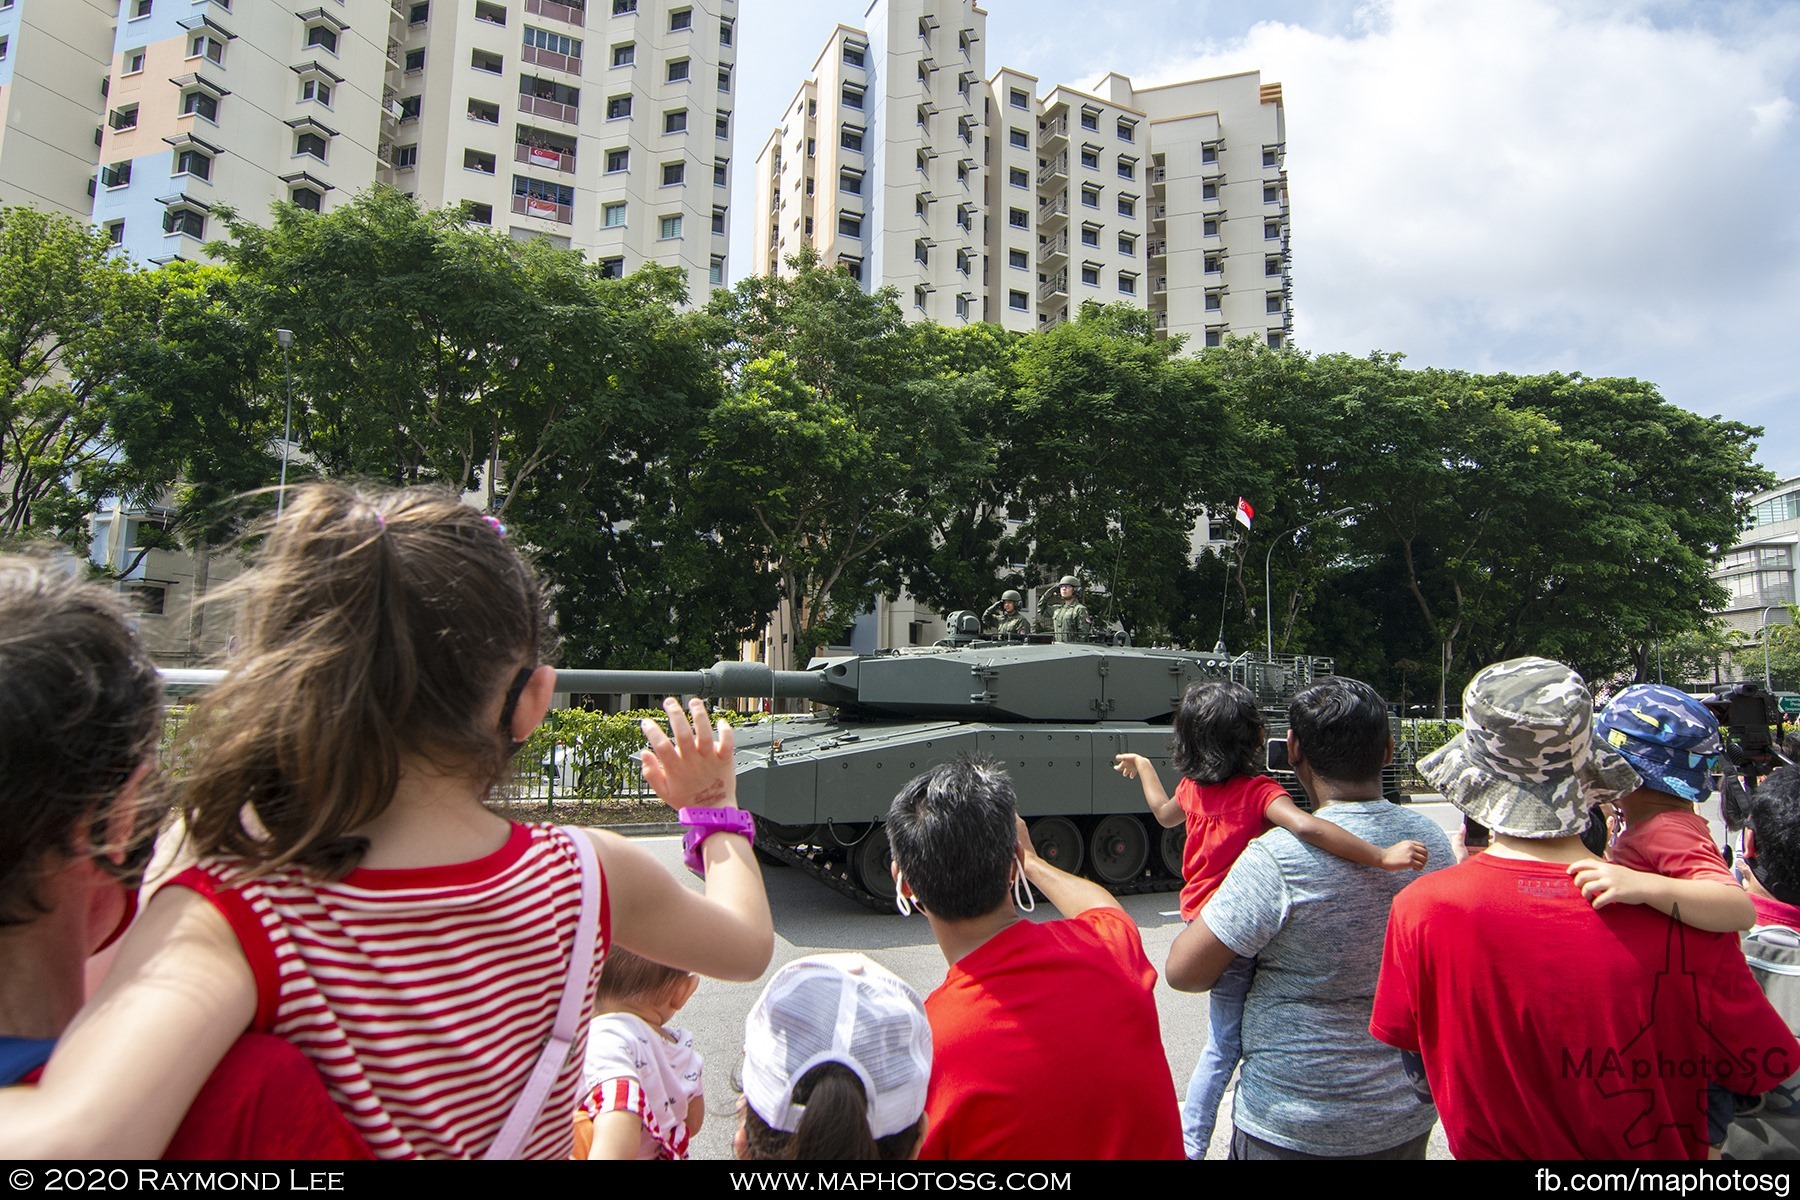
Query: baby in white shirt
x=641 y=1093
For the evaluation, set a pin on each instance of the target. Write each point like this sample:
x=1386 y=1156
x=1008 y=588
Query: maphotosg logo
x=1676 y=1044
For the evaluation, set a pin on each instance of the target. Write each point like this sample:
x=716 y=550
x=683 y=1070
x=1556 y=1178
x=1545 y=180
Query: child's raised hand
x=1402 y=856
x=1131 y=765
x=692 y=765
x=1604 y=883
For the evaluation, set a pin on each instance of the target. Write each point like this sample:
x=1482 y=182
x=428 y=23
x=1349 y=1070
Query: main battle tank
x=1054 y=715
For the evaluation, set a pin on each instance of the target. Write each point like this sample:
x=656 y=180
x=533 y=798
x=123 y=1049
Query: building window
x=1128 y=245
x=675 y=121
x=1127 y=167
x=668 y=227
x=1018 y=218
x=726 y=30
x=919 y=295
x=624 y=54
x=316 y=90
x=1271 y=230
x=850 y=224
x=117 y=175
x=193 y=162
x=922 y=252
x=1272 y=265
x=1090 y=197
x=724 y=79
x=1019 y=98
x=1213 y=301
x=618 y=107
x=612 y=216
x=854 y=54
x=1018 y=260
x=1019 y=138
x=962 y=306
x=1272 y=303
x=1090 y=157
x=853 y=267
x=715 y=271
x=681 y=18
x=962 y=261
x=1090 y=274
x=420 y=14
x=718 y=221
x=1214 y=338
x=410 y=105
x=1275 y=339
x=618 y=160
x=185 y=221
x=1209 y=190
x=311 y=144
x=1090 y=235
x=850 y=180
x=1128 y=206
x=1271 y=156
x=125 y=117
x=134 y=62
x=493 y=14
x=1127 y=283
x=415 y=61
x=1090 y=118
x=673 y=173
x=1212 y=264
x=306 y=198
x=1209 y=154
x=406 y=157
x=1127 y=130
x=1271 y=193
x=553 y=43
x=678 y=70
x=1210 y=227
x=203 y=105
x=323 y=37
x=612 y=268
x=140 y=8
x=721 y=172
x=116 y=231
x=623 y=7
x=1017 y=301
x=853 y=96
x=851 y=138
x=722 y=127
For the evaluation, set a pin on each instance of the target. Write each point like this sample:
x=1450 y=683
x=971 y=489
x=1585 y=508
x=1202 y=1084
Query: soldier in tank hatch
x=1008 y=615
x=1070 y=618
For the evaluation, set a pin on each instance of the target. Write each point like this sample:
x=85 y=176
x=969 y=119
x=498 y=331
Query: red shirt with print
x=1222 y=818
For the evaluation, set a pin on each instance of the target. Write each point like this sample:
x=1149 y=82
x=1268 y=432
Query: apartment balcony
x=1056 y=247
x=1054 y=211
x=574 y=14
x=548 y=210
x=396 y=56
x=1056 y=167
x=1053 y=131
x=554 y=109
x=1158 y=213
x=1212 y=170
x=544 y=156
x=551 y=59
x=1056 y=285
x=1159 y=285
x=1158 y=176
x=1156 y=249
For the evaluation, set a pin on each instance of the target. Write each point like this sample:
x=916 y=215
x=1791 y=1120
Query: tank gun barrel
x=721 y=679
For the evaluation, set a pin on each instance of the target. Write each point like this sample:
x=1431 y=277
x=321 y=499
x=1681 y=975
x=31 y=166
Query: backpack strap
x=570 y=1010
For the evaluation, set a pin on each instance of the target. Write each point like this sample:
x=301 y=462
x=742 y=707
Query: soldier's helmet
x=1013 y=595
x=1069 y=581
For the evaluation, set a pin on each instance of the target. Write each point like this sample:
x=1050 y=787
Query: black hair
x=1219 y=733
x=833 y=1126
x=80 y=710
x=1342 y=725
x=952 y=831
x=1774 y=811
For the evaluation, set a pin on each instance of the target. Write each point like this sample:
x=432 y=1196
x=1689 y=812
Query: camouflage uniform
x=1013 y=624
x=1528 y=762
x=1071 y=621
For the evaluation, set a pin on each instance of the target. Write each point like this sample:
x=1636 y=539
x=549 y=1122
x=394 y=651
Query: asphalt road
x=812 y=919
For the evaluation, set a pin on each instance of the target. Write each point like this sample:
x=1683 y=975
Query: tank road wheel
x=787 y=835
x=1119 y=847
x=1169 y=847
x=1058 y=843
x=869 y=861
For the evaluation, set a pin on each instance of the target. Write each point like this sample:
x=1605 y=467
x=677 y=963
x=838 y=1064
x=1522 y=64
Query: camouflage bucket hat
x=1528 y=763
x=1666 y=735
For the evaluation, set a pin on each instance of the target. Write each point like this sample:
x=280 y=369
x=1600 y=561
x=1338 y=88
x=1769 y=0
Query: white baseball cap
x=839 y=1008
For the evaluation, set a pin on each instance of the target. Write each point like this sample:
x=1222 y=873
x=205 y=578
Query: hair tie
x=495 y=525
x=381 y=520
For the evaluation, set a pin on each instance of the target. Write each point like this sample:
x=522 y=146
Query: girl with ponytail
x=352 y=892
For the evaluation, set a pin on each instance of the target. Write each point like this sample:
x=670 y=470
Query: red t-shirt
x=1550 y=1030
x=1222 y=818
x=1046 y=1045
x=263 y=1101
x=1675 y=845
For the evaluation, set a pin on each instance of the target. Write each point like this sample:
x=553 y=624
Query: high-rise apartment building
x=603 y=125
x=986 y=198
x=54 y=57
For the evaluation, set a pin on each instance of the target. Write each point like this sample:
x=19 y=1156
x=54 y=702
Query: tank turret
x=1053 y=715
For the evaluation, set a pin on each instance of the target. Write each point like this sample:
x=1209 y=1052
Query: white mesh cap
x=842 y=1008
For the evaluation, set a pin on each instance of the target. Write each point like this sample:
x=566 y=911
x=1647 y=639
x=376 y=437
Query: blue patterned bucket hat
x=1667 y=736
x=1528 y=763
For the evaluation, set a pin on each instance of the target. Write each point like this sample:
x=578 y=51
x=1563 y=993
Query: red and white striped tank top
x=423 y=996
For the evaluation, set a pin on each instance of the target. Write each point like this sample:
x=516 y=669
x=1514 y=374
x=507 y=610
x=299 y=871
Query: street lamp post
x=1268 y=561
x=285 y=339
x=1767 y=609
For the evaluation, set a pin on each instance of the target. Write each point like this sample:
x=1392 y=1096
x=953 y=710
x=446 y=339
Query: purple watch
x=702 y=823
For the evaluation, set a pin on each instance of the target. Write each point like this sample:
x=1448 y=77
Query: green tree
x=70 y=308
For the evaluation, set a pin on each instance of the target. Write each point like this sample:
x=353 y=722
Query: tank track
x=833 y=870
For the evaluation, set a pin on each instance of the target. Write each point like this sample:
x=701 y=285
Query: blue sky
x=1491 y=185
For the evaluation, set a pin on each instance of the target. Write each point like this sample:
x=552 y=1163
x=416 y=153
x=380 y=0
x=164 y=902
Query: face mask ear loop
x=1022 y=896
x=901 y=903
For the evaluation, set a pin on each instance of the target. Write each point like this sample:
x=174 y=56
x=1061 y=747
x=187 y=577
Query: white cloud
x=1527 y=185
